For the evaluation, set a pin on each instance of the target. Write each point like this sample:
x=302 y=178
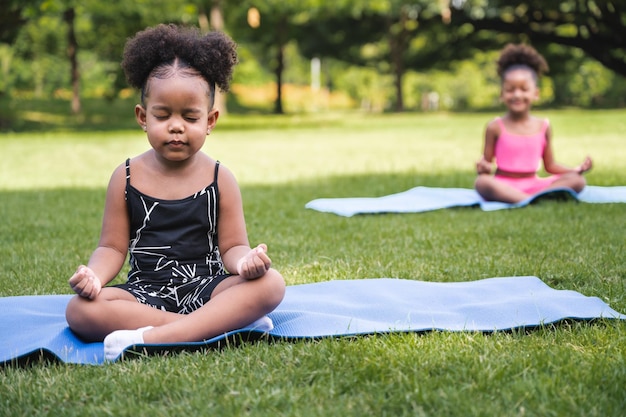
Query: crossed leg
x=492 y=189
x=235 y=303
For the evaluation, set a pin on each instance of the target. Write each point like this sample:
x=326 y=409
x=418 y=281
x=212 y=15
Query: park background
x=66 y=117
x=314 y=55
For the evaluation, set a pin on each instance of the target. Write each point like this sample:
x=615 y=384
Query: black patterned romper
x=175 y=263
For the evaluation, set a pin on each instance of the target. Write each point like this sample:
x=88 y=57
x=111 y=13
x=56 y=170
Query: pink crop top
x=520 y=153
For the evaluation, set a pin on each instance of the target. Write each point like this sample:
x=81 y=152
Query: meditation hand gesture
x=585 y=166
x=483 y=166
x=85 y=283
x=255 y=263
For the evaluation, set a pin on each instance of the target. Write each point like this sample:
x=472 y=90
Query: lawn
x=52 y=192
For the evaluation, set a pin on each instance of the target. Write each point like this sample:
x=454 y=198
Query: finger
x=79 y=284
x=267 y=262
x=74 y=279
x=77 y=277
x=255 y=266
x=85 y=288
x=94 y=288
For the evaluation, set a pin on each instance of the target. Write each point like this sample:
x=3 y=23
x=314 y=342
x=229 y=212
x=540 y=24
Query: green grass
x=52 y=191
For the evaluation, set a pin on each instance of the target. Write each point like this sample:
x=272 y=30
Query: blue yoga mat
x=34 y=326
x=421 y=199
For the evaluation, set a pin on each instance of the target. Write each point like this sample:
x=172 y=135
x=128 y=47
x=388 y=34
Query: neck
x=518 y=117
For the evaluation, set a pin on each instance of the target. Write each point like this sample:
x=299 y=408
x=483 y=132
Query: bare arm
x=237 y=255
x=553 y=167
x=108 y=258
x=484 y=164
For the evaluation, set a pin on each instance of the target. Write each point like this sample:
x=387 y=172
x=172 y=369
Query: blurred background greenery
x=59 y=59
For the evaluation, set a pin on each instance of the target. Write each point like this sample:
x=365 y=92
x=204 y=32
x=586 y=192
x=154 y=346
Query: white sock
x=263 y=324
x=117 y=341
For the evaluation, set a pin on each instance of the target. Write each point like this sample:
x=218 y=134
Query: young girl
x=519 y=141
x=176 y=211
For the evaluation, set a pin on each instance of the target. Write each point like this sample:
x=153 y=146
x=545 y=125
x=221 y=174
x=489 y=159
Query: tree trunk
x=280 y=66
x=398 y=73
x=72 y=53
x=216 y=21
x=281 y=42
x=398 y=40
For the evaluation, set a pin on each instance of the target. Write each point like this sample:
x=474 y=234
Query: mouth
x=176 y=143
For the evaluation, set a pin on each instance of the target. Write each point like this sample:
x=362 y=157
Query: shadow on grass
x=45 y=234
x=54 y=115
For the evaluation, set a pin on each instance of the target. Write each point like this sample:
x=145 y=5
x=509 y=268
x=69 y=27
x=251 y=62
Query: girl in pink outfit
x=519 y=141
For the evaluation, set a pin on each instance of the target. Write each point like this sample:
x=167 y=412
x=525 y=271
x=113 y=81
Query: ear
x=140 y=115
x=212 y=119
x=537 y=94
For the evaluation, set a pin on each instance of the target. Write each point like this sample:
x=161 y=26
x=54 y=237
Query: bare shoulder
x=540 y=121
x=493 y=127
x=118 y=177
x=115 y=195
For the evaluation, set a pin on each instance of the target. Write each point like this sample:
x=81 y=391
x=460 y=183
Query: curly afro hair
x=521 y=56
x=165 y=50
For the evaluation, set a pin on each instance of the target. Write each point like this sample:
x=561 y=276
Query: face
x=177 y=116
x=519 y=90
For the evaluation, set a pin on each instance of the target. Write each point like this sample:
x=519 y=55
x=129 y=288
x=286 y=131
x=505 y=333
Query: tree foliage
x=596 y=27
x=379 y=42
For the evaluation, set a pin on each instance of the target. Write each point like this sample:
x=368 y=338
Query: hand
x=85 y=283
x=483 y=166
x=585 y=166
x=255 y=263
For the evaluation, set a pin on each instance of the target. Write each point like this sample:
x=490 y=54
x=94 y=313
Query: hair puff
x=213 y=54
x=520 y=54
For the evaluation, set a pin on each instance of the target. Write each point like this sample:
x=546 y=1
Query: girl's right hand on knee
x=85 y=283
x=483 y=166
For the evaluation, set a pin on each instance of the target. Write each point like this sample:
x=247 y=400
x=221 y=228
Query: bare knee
x=273 y=288
x=481 y=181
x=574 y=181
x=484 y=186
x=579 y=184
x=79 y=315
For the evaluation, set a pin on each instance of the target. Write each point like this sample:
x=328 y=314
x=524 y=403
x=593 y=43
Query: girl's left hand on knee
x=255 y=264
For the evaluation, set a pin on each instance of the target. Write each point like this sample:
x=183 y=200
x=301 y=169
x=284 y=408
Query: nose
x=176 y=125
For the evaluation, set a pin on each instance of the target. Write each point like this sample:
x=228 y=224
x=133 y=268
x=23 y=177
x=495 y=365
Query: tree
x=268 y=26
x=374 y=33
x=12 y=18
x=214 y=21
x=420 y=35
x=69 y=16
x=596 y=27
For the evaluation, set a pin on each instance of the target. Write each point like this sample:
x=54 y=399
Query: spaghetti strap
x=217 y=167
x=128 y=171
x=127 y=179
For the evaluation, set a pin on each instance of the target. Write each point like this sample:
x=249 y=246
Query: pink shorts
x=528 y=185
